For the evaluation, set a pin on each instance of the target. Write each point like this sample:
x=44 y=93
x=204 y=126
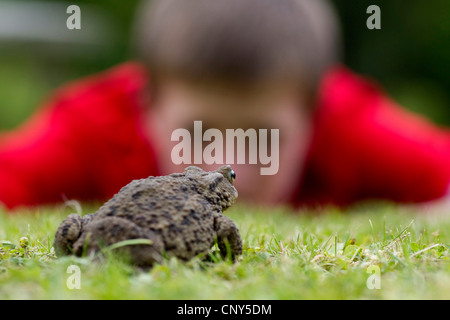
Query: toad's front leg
x=227 y=236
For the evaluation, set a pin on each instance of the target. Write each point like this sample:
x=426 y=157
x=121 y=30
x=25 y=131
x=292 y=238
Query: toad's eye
x=231 y=176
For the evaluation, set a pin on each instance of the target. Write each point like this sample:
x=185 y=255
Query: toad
x=179 y=215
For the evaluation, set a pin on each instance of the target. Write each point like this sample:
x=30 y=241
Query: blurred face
x=179 y=104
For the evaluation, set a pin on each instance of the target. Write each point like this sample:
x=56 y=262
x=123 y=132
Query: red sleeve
x=85 y=143
x=367 y=147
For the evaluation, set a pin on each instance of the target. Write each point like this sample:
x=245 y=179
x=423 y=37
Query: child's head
x=238 y=64
x=238 y=42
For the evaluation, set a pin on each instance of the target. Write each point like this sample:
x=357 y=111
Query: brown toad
x=181 y=215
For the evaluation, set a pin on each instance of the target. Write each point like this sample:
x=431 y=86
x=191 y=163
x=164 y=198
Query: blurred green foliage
x=409 y=56
x=29 y=72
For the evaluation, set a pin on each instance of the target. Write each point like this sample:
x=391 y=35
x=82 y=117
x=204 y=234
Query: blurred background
x=409 y=56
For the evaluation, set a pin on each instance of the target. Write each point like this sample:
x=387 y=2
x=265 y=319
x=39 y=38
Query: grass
x=326 y=254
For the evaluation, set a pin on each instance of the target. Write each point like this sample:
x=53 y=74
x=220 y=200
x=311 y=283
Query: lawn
x=321 y=254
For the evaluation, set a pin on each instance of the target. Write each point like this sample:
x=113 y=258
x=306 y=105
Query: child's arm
x=85 y=144
x=366 y=147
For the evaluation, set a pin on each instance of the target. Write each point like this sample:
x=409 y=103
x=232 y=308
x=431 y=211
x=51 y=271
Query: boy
x=231 y=64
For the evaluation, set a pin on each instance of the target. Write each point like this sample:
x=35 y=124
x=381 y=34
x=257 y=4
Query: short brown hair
x=238 y=40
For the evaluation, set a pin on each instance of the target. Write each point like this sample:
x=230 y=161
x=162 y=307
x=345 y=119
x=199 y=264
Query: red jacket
x=88 y=141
